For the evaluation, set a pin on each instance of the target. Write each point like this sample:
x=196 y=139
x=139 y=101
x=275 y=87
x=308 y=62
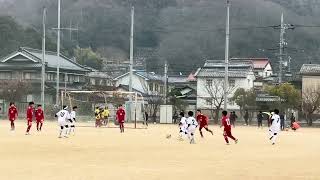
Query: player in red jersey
x=39 y=117
x=203 y=121
x=121 y=114
x=30 y=113
x=225 y=122
x=12 y=115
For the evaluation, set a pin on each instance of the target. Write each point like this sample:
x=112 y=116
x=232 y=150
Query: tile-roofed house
x=98 y=78
x=261 y=66
x=212 y=74
x=310 y=75
x=310 y=69
x=145 y=82
x=25 y=65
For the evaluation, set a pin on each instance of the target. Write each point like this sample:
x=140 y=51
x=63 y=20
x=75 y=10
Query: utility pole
x=58 y=53
x=131 y=59
x=283 y=28
x=58 y=50
x=166 y=82
x=282 y=31
x=43 y=68
x=70 y=30
x=131 y=49
x=226 y=74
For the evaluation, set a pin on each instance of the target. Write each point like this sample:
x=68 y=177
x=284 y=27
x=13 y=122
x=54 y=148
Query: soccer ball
x=168 y=136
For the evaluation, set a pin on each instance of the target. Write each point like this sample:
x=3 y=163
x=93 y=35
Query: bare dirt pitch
x=146 y=154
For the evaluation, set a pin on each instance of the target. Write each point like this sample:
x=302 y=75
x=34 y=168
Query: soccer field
x=146 y=154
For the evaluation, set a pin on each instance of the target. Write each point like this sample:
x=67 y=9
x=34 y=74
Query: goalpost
x=87 y=101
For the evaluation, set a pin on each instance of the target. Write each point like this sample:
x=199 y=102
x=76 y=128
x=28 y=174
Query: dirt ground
x=146 y=154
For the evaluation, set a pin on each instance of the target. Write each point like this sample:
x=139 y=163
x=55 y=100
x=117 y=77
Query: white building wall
x=266 y=72
x=138 y=83
x=245 y=83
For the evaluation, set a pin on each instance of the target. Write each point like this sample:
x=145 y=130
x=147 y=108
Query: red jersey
x=225 y=122
x=121 y=115
x=29 y=113
x=202 y=120
x=12 y=113
x=39 y=115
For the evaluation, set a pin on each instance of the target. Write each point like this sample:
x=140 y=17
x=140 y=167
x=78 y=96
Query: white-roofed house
x=147 y=83
x=210 y=82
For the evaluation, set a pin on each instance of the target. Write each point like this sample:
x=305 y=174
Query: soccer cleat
x=27 y=133
x=192 y=141
x=270 y=137
x=65 y=136
x=227 y=143
x=273 y=143
x=60 y=137
x=236 y=141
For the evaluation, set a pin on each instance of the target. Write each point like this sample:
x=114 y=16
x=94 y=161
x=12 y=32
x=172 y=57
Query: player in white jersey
x=183 y=126
x=275 y=126
x=192 y=126
x=72 y=120
x=63 y=118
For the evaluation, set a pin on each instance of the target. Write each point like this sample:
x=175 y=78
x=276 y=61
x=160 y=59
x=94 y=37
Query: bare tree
x=215 y=96
x=154 y=102
x=14 y=90
x=310 y=103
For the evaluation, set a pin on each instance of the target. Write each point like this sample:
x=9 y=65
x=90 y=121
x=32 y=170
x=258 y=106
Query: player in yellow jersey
x=97 y=115
x=105 y=115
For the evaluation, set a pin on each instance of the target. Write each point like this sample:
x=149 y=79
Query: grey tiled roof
x=52 y=60
x=178 y=79
x=97 y=74
x=232 y=64
x=150 y=75
x=35 y=56
x=144 y=74
x=204 y=72
x=20 y=66
x=310 y=69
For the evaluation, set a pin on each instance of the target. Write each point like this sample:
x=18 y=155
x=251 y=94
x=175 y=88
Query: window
x=81 y=79
x=5 y=75
x=31 y=75
x=156 y=87
x=26 y=75
x=151 y=87
x=208 y=102
x=161 y=89
x=209 y=82
x=51 y=77
x=77 y=79
x=231 y=102
x=232 y=83
x=92 y=81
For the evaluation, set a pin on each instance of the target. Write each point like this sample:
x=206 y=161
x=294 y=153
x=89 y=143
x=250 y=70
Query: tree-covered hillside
x=184 y=32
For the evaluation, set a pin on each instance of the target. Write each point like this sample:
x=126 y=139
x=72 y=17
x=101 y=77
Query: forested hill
x=184 y=32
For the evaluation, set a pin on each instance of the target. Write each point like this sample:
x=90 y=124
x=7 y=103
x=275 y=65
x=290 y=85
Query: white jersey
x=63 y=116
x=275 y=125
x=192 y=124
x=73 y=115
x=183 y=124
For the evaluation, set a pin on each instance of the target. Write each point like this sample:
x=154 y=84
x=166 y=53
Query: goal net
x=106 y=104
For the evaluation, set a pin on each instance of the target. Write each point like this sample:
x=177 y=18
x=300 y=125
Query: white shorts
x=191 y=129
x=71 y=122
x=183 y=129
x=62 y=123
